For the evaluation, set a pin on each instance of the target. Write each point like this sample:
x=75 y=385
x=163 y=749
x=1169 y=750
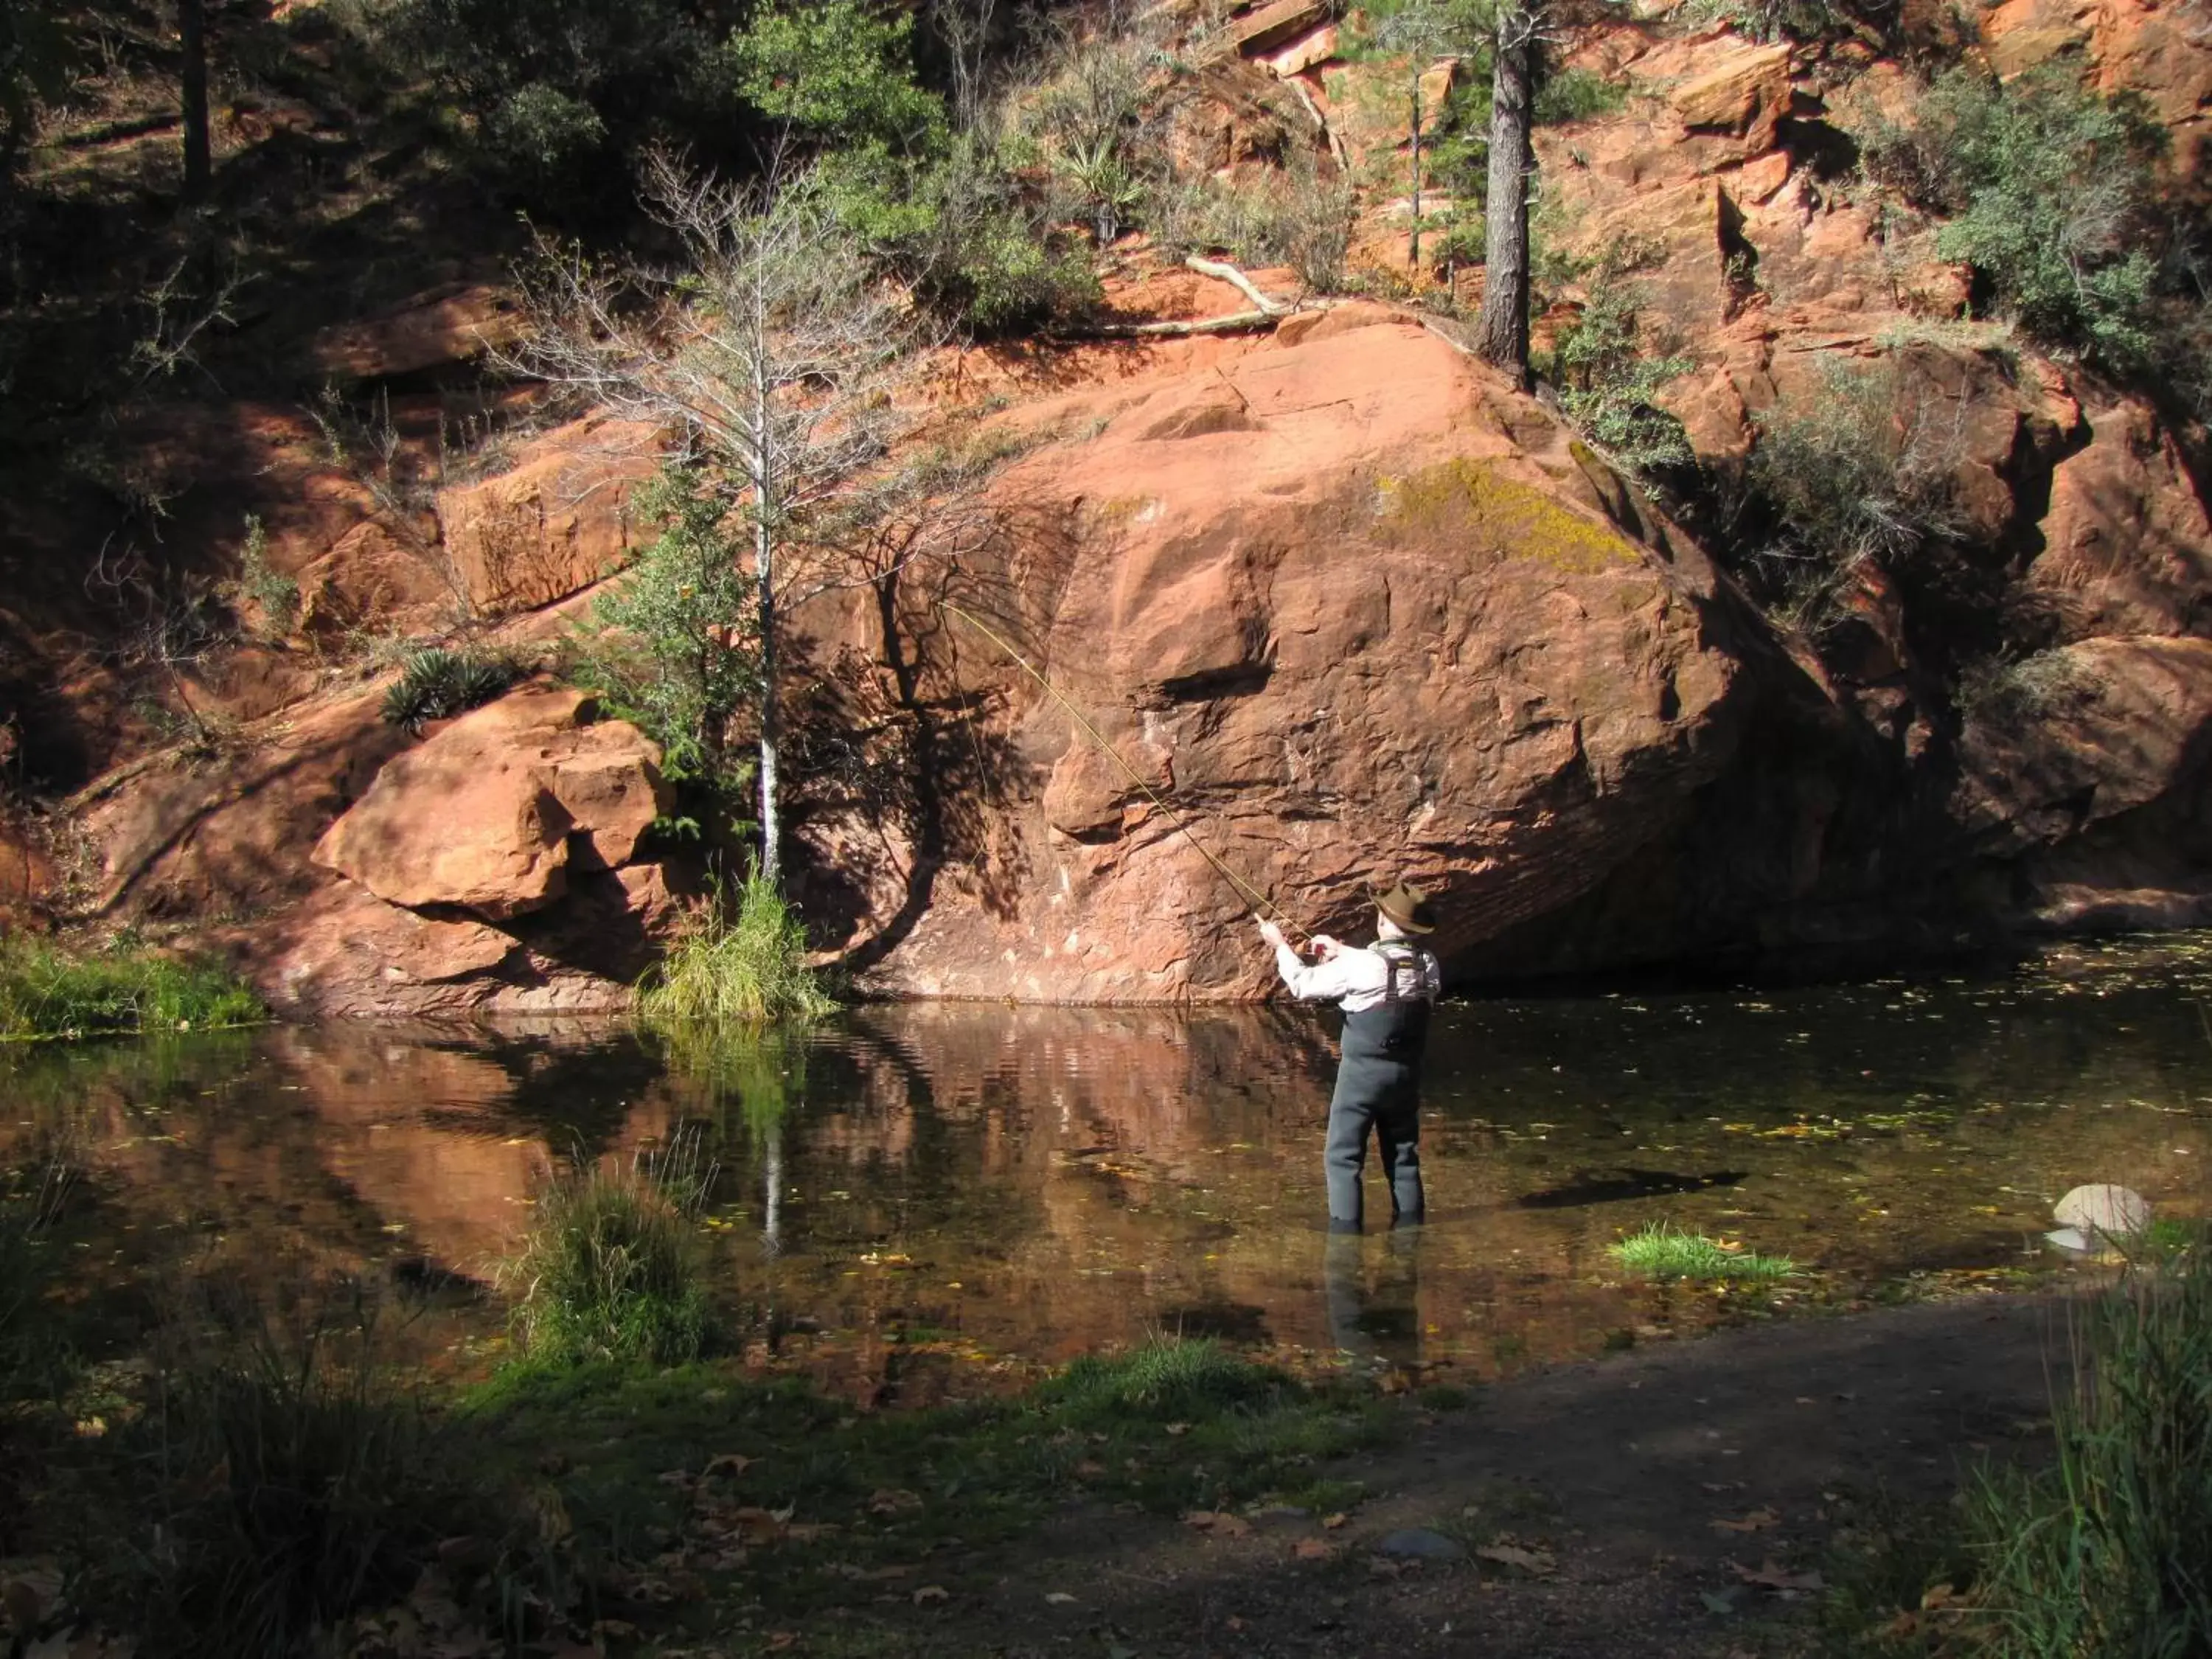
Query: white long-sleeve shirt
x=1356 y=978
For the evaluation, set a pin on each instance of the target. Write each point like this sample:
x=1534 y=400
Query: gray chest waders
x=1378 y=1083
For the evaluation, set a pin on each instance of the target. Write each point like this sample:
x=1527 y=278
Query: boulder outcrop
x=486 y=815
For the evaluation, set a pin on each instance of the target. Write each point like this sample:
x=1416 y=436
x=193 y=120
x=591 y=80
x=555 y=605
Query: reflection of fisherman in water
x=1382 y=1326
x=1385 y=991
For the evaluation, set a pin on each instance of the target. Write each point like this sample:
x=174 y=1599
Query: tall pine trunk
x=192 y=40
x=1501 y=332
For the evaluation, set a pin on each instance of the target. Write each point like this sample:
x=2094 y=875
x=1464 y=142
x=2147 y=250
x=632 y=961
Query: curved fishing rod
x=1244 y=890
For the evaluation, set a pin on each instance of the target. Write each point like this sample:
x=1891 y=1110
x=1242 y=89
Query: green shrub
x=48 y=992
x=2111 y=1551
x=436 y=685
x=839 y=71
x=544 y=135
x=1608 y=386
x=1299 y=219
x=1575 y=94
x=1662 y=1251
x=672 y=646
x=736 y=970
x=1853 y=475
x=2050 y=189
x=611 y=1268
x=274 y=596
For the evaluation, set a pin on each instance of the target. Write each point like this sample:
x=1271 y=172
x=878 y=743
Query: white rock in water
x=2114 y=1212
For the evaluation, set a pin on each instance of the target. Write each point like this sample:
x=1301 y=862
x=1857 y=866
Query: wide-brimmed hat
x=1408 y=907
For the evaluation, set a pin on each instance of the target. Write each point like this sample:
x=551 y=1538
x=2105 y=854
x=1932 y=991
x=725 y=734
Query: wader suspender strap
x=1393 y=961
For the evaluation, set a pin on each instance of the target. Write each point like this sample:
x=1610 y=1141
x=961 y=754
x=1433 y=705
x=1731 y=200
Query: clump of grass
x=745 y=967
x=2111 y=1551
x=48 y=992
x=436 y=683
x=297 y=1483
x=1662 y=1251
x=1167 y=1380
x=611 y=1268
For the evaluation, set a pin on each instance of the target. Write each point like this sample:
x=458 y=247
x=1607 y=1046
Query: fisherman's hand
x=1271 y=932
x=1325 y=947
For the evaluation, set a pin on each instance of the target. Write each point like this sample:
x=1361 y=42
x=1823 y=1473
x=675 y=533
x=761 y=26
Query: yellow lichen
x=1472 y=503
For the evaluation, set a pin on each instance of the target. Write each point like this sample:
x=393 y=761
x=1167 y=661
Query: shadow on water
x=970 y=1185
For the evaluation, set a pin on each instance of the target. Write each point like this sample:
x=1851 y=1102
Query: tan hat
x=1408 y=907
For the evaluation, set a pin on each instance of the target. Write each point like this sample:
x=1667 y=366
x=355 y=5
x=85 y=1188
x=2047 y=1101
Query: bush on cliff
x=437 y=685
x=49 y=992
x=737 y=969
x=2051 y=192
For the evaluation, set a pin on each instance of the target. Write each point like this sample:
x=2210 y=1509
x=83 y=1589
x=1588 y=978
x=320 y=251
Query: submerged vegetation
x=1661 y=1251
x=50 y=992
x=740 y=967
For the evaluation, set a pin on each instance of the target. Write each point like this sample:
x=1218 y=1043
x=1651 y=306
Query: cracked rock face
x=1361 y=613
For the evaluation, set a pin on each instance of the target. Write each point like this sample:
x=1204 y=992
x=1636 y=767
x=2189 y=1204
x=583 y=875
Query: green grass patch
x=46 y=992
x=1576 y=94
x=611 y=1268
x=743 y=966
x=1662 y=1251
x=1171 y=1427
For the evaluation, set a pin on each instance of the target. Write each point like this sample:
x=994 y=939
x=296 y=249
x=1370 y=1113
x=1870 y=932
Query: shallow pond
x=922 y=1199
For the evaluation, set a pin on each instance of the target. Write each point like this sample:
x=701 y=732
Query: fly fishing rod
x=1244 y=890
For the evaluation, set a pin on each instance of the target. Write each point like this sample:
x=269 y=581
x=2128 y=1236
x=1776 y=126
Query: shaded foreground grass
x=46 y=992
x=1661 y=1251
x=2107 y=1551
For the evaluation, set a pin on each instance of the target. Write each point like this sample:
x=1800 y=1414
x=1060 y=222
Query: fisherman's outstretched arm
x=1335 y=977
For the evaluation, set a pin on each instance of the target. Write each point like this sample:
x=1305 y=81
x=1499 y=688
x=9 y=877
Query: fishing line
x=1244 y=889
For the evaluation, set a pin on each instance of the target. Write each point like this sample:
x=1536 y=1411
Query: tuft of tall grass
x=294 y=1484
x=611 y=1268
x=2110 y=1551
x=1662 y=1251
x=46 y=992
x=742 y=966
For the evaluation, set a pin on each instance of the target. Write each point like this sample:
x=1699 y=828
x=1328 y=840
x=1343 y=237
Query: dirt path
x=1612 y=1473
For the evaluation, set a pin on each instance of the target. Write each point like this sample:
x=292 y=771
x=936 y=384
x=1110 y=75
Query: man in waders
x=1385 y=992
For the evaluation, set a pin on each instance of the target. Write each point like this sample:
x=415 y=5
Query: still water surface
x=929 y=1199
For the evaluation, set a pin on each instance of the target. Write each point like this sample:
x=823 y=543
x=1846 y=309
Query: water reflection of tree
x=742 y=1083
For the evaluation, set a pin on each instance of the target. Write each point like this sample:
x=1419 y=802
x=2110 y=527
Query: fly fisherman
x=1385 y=992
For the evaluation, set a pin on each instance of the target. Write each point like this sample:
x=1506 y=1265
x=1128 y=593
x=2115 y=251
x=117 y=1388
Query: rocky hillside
x=1356 y=606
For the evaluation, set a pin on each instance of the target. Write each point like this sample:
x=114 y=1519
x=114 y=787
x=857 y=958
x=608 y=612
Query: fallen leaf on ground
x=1333 y=1521
x=887 y=1500
x=930 y=1594
x=1538 y=1564
x=1218 y=1521
x=778 y=1640
x=727 y=1463
x=1059 y=1598
x=1178 y=1428
x=1768 y=1576
x=1312 y=1549
x=1089 y=1469
x=1757 y=1520
x=1717 y=1602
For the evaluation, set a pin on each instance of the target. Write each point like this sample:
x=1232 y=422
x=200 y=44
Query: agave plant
x=435 y=684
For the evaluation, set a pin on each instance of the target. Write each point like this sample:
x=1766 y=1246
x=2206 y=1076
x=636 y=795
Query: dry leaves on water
x=1768 y=1576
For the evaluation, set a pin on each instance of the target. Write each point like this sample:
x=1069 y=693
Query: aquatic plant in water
x=1662 y=1251
x=610 y=1268
x=48 y=992
x=744 y=966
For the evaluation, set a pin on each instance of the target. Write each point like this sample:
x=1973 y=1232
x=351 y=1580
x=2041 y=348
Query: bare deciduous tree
x=770 y=345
